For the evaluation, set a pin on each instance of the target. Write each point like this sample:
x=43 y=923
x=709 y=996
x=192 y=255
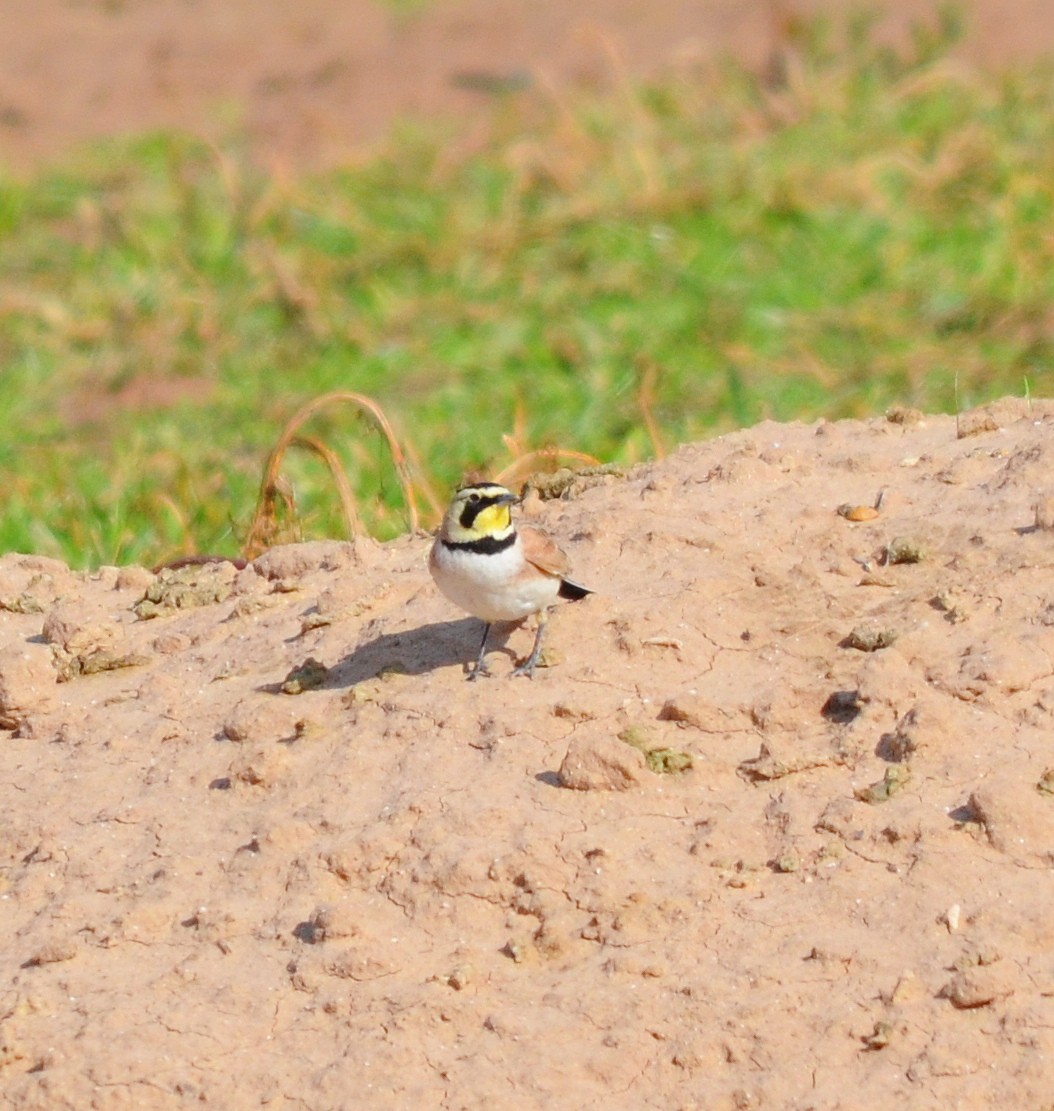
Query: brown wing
x=542 y=552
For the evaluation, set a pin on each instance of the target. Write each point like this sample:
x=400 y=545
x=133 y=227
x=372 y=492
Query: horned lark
x=485 y=564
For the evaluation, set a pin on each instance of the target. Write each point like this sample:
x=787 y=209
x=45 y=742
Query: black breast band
x=485 y=545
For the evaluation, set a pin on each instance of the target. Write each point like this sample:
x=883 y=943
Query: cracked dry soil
x=395 y=889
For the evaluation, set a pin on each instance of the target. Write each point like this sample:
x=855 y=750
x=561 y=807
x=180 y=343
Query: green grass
x=866 y=231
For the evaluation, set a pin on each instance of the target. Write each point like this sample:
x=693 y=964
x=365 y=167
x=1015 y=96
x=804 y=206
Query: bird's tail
x=572 y=591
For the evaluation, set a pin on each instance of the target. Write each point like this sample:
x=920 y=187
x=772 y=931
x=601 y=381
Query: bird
x=497 y=571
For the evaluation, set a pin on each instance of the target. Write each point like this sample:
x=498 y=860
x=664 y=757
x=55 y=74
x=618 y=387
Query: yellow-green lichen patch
x=637 y=736
x=308 y=676
x=661 y=760
x=905 y=549
x=667 y=761
x=866 y=638
x=95 y=661
x=185 y=588
x=22 y=603
x=567 y=483
x=903 y=414
x=895 y=779
x=955 y=610
x=880 y=1037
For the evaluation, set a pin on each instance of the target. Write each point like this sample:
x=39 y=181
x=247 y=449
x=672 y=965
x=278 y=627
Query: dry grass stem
x=347 y=497
x=262 y=527
x=646 y=405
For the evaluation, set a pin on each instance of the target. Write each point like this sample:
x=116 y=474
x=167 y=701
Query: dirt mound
x=769 y=832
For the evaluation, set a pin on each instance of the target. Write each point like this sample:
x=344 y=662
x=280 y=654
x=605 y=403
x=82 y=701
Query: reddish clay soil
x=826 y=886
x=313 y=83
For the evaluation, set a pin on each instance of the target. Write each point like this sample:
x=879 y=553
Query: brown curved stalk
x=262 y=524
x=424 y=486
x=646 y=403
x=340 y=480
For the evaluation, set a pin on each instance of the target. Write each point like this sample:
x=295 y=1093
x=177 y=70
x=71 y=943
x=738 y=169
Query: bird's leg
x=529 y=664
x=481 y=667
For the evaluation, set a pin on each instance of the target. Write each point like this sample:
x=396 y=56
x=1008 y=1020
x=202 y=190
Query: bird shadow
x=418 y=651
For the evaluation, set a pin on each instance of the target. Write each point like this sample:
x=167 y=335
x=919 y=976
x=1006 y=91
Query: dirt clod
x=597 y=763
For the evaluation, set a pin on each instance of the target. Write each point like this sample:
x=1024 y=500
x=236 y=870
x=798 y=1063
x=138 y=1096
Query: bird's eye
x=473 y=499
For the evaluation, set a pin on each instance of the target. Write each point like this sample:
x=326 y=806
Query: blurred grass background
x=864 y=226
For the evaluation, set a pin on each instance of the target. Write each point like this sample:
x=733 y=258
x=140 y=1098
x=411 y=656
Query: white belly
x=491 y=587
